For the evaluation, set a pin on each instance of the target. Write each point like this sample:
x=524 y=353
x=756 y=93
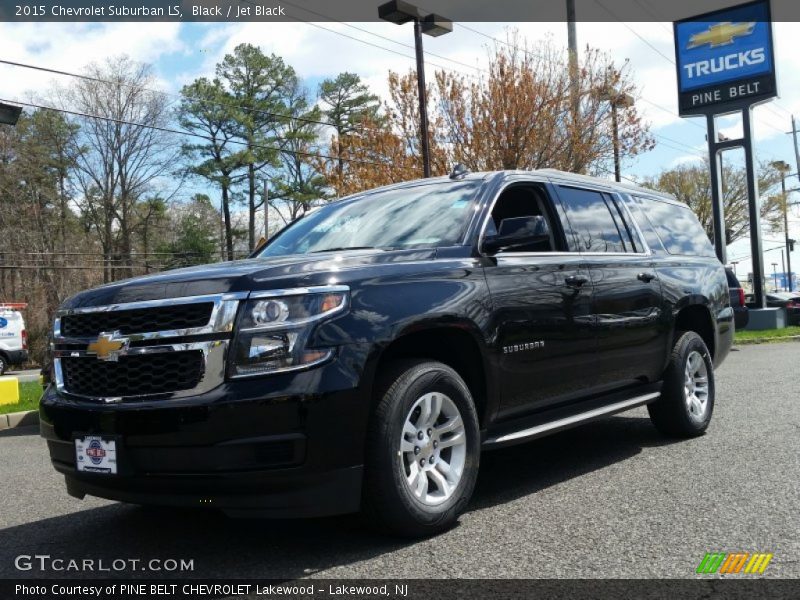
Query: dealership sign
x=725 y=59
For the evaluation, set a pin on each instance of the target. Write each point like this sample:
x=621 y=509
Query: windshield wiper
x=337 y=249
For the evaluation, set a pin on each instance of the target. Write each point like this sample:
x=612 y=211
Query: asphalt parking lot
x=609 y=500
x=23 y=376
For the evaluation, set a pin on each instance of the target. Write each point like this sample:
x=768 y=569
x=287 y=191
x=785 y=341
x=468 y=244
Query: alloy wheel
x=433 y=448
x=695 y=387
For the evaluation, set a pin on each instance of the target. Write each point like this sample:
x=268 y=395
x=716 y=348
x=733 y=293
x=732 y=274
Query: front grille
x=139 y=320
x=138 y=375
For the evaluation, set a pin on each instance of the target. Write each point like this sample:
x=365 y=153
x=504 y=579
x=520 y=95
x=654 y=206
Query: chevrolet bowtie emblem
x=109 y=346
x=720 y=34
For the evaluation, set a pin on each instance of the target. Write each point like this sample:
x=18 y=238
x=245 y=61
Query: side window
x=636 y=208
x=591 y=221
x=677 y=227
x=522 y=201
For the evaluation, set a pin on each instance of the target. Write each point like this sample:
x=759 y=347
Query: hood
x=253 y=274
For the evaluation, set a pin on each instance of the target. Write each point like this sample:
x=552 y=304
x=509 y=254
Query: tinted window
x=678 y=228
x=590 y=221
x=649 y=233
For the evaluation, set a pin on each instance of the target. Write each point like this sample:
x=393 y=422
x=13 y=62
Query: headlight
x=273 y=330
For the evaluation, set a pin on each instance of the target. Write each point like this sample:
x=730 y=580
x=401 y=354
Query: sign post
x=726 y=65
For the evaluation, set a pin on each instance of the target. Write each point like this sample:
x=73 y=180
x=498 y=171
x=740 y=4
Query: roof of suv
x=621 y=187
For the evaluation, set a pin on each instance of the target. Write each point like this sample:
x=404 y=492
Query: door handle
x=646 y=277
x=575 y=280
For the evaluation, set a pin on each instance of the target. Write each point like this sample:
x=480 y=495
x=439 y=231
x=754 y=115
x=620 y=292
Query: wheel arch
x=456 y=344
x=696 y=317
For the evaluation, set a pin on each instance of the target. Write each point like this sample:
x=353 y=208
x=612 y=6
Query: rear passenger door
x=630 y=325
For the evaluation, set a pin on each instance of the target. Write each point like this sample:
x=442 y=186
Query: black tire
x=3 y=365
x=388 y=501
x=671 y=413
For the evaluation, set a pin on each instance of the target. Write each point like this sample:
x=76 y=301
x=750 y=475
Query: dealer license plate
x=95 y=454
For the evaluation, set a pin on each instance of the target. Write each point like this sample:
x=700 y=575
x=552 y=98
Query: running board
x=570 y=421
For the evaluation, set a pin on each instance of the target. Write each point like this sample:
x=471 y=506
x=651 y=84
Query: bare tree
x=519 y=115
x=122 y=154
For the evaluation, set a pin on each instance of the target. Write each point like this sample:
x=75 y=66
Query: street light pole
x=423 y=101
x=775 y=274
x=783 y=168
x=617 y=100
x=399 y=12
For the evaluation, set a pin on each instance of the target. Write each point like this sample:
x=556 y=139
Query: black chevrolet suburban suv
x=371 y=350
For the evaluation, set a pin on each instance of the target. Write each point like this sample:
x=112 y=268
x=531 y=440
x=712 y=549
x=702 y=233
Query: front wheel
x=687 y=396
x=423 y=450
x=3 y=365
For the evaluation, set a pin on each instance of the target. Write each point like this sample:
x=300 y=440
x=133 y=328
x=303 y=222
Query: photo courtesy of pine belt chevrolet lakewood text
x=365 y=357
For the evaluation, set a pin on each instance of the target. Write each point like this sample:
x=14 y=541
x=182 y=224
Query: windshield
x=427 y=215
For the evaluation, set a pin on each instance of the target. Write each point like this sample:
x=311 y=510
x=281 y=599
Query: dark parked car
x=364 y=358
x=788 y=300
x=741 y=314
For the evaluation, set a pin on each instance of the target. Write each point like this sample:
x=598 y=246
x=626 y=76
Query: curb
x=19 y=419
x=753 y=341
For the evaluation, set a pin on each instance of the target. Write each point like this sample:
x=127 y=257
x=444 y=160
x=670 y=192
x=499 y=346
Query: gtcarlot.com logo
x=734 y=563
x=45 y=562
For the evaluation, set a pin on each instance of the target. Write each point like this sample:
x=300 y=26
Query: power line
x=377 y=35
x=634 y=32
x=165 y=93
x=652 y=12
x=197 y=135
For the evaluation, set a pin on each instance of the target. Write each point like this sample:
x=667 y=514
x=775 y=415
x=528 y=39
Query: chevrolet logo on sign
x=721 y=34
x=109 y=346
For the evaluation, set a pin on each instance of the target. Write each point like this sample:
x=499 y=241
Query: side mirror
x=517 y=232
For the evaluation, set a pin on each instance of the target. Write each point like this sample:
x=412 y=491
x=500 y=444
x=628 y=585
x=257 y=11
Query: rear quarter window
x=677 y=227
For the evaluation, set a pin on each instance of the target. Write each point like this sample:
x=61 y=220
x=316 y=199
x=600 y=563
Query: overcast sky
x=180 y=52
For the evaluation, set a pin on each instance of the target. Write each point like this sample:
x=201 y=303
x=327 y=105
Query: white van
x=13 y=337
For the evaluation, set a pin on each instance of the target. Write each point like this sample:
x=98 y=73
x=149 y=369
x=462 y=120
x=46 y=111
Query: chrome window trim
x=215 y=353
x=629 y=219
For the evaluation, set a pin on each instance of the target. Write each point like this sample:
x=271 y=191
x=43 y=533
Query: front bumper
x=288 y=445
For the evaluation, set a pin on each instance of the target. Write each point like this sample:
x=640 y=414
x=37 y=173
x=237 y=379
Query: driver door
x=542 y=322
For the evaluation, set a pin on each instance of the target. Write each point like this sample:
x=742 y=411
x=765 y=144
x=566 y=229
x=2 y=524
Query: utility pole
x=783 y=168
x=572 y=40
x=796 y=148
